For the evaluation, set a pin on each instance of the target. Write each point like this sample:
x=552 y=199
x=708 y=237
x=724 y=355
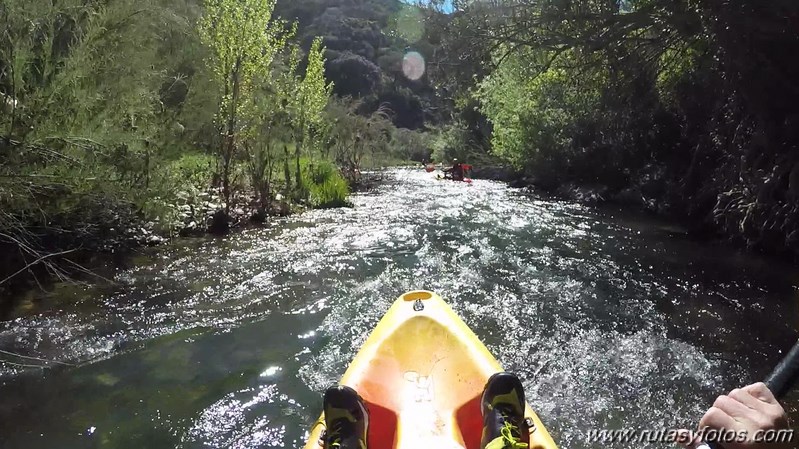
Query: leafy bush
x=326 y=186
x=332 y=193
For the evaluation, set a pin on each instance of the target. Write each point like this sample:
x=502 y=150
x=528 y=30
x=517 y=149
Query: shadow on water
x=611 y=320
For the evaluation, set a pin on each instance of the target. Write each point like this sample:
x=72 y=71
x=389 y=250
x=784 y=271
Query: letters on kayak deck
x=421 y=374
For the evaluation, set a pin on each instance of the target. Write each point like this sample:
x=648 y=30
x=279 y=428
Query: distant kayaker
x=456 y=172
x=430 y=166
x=750 y=411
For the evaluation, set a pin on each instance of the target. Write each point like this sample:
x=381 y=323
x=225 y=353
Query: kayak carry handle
x=417 y=295
x=780 y=382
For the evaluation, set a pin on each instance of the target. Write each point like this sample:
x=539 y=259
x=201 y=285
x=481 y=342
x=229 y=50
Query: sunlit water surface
x=612 y=321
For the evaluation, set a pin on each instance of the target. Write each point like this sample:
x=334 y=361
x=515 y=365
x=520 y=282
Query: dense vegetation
x=125 y=120
x=686 y=107
x=122 y=120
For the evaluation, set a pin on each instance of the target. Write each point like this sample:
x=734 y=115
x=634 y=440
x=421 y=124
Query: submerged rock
x=520 y=183
x=219 y=223
x=155 y=240
x=583 y=194
x=281 y=208
x=259 y=216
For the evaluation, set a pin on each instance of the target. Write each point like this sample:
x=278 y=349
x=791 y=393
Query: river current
x=613 y=320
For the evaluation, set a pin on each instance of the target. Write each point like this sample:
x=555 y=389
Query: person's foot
x=502 y=405
x=346 y=419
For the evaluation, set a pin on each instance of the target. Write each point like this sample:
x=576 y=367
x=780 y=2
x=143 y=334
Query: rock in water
x=219 y=223
x=259 y=215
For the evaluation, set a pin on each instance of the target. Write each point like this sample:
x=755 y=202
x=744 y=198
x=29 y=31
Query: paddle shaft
x=780 y=382
x=785 y=375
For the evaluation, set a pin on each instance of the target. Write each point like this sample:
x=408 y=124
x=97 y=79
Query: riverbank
x=726 y=216
x=40 y=256
x=88 y=252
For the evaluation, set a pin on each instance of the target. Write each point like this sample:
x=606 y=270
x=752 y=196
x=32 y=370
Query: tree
x=273 y=127
x=352 y=136
x=244 y=41
x=354 y=75
x=308 y=104
x=90 y=97
x=412 y=145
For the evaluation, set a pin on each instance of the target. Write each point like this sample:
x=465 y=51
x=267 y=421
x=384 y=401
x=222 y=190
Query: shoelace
x=334 y=436
x=506 y=440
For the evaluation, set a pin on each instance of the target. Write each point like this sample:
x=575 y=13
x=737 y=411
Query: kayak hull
x=466 y=180
x=421 y=373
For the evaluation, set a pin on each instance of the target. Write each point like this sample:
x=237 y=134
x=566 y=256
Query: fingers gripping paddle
x=780 y=382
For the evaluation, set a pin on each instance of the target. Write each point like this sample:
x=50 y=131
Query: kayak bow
x=421 y=373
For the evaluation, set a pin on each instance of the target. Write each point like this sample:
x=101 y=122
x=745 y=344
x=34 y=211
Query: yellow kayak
x=421 y=373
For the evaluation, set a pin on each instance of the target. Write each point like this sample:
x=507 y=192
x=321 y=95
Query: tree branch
x=35 y=262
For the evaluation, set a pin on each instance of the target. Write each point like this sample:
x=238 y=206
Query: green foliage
x=244 y=41
x=86 y=84
x=682 y=107
x=118 y=115
x=68 y=80
x=538 y=117
x=352 y=137
x=267 y=105
x=411 y=145
x=580 y=91
x=174 y=183
x=314 y=90
x=366 y=42
x=326 y=186
x=675 y=67
x=452 y=142
x=191 y=171
x=307 y=106
x=407 y=24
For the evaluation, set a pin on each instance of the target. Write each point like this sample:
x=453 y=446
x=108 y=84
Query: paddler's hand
x=748 y=411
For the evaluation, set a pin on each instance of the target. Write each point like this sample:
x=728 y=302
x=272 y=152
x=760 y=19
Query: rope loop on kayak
x=530 y=425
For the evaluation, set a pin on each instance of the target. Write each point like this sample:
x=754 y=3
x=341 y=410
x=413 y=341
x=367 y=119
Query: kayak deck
x=421 y=373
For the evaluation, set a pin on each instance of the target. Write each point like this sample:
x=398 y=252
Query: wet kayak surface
x=612 y=320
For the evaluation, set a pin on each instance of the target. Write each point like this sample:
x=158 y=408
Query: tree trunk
x=298 y=173
x=226 y=183
x=297 y=150
x=269 y=168
x=263 y=182
x=230 y=140
x=286 y=170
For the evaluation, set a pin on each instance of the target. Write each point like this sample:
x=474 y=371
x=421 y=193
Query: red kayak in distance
x=465 y=168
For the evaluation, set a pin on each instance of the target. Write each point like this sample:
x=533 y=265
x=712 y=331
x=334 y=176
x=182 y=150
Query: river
x=612 y=320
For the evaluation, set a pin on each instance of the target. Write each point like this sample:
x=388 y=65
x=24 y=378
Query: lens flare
x=413 y=65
